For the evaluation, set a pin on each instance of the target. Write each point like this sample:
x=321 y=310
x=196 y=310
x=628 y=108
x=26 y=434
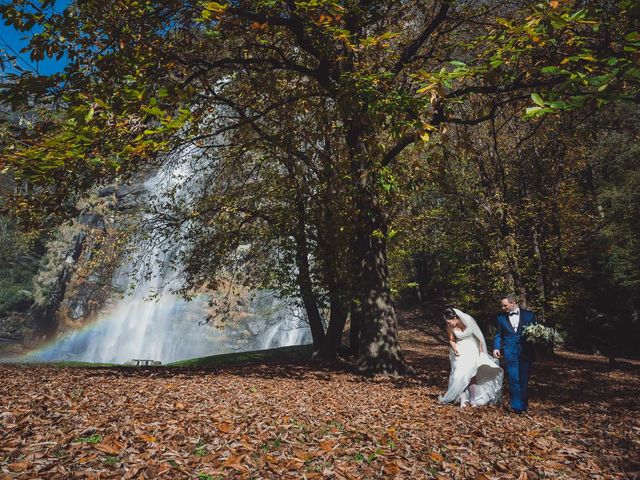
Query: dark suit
x=518 y=357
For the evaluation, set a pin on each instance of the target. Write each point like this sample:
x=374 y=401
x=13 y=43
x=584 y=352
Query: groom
x=518 y=355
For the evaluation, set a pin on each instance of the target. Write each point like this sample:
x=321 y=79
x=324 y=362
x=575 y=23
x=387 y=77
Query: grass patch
x=83 y=364
x=282 y=353
x=110 y=460
x=201 y=451
x=92 y=439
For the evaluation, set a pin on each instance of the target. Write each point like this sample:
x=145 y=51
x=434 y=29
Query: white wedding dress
x=471 y=362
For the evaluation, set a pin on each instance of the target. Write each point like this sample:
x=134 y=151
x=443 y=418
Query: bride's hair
x=448 y=313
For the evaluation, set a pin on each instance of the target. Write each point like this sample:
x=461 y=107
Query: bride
x=475 y=378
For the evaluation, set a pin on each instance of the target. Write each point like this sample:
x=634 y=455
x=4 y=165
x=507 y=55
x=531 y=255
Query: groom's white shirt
x=515 y=319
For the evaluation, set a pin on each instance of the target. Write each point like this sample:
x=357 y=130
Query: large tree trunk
x=379 y=350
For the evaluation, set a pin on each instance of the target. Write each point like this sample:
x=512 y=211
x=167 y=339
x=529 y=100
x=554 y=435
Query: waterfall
x=283 y=334
x=151 y=322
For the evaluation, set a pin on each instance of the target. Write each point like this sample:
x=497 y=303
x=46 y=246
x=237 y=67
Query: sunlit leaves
x=565 y=44
x=212 y=10
x=329 y=6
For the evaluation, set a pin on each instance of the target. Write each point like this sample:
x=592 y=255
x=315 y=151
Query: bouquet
x=538 y=334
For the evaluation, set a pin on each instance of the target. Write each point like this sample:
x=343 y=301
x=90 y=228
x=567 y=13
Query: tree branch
x=411 y=49
x=518 y=84
x=205 y=66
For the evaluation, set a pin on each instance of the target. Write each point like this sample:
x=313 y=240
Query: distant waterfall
x=167 y=327
x=283 y=334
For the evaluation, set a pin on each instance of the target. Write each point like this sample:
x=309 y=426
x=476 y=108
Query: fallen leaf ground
x=303 y=420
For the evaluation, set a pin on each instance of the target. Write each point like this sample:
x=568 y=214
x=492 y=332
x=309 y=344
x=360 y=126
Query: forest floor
x=304 y=420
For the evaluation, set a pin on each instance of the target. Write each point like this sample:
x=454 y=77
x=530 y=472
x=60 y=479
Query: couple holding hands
x=476 y=376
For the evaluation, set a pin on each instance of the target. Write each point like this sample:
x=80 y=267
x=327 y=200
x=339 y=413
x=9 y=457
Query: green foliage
x=110 y=460
x=609 y=288
x=13 y=298
x=200 y=451
x=93 y=439
x=577 y=49
x=549 y=218
x=17 y=269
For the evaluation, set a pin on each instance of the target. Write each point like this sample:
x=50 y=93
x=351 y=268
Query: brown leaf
x=247 y=445
x=233 y=460
x=302 y=454
x=542 y=443
x=109 y=446
x=18 y=466
x=224 y=427
x=259 y=26
x=163 y=469
x=327 y=445
x=403 y=466
x=436 y=457
x=133 y=471
x=87 y=459
x=391 y=468
x=86 y=475
x=210 y=457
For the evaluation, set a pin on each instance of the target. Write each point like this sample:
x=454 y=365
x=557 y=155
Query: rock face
x=107 y=191
x=128 y=195
x=74 y=277
x=16 y=333
x=44 y=313
x=92 y=220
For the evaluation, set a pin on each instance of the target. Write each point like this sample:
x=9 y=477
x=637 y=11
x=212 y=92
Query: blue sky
x=13 y=41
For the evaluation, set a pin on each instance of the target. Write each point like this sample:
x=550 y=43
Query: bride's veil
x=470 y=323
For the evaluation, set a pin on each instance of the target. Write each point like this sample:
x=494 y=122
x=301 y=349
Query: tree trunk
x=379 y=349
x=333 y=247
x=354 y=330
x=333 y=338
x=512 y=269
x=541 y=274
x=304 y=275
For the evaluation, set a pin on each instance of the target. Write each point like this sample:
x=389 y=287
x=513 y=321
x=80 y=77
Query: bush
x=18 y=266
x=14 y=298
